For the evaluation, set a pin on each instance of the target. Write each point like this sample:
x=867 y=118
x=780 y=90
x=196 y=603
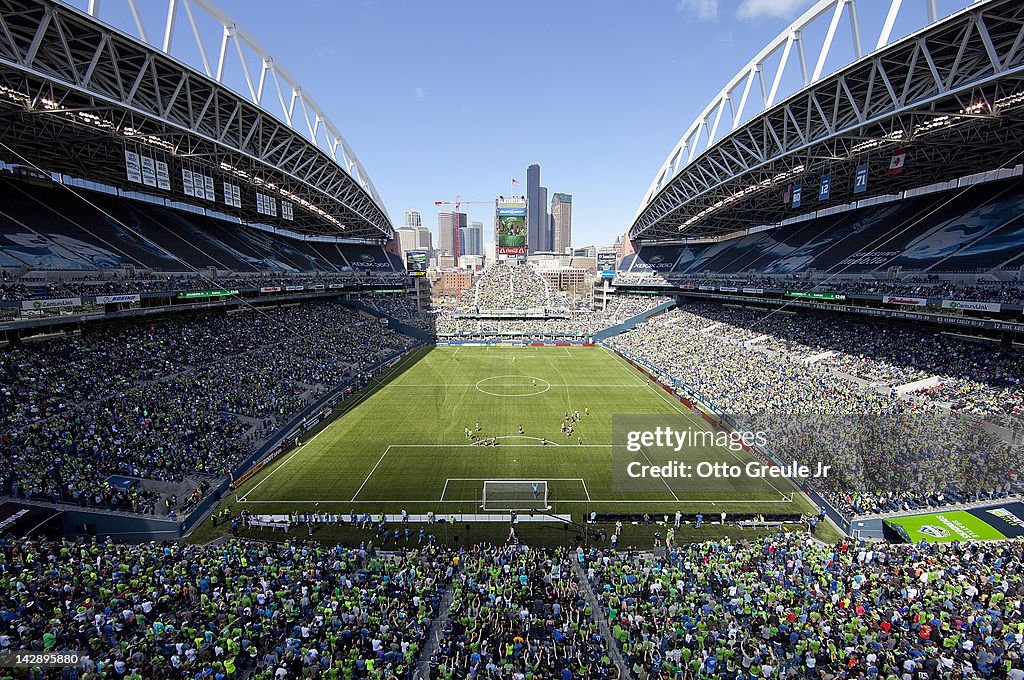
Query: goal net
x=517 y=495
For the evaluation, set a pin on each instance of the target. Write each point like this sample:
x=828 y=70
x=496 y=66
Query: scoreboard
x=416 y=262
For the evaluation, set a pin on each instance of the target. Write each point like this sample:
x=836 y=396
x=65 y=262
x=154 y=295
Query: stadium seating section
x=798 y=377
x=52 y=228
x=776 y=607
x=972 y=231
x=178 y=400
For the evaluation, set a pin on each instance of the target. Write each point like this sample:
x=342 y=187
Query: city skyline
x=555 y=233
x=603 y=138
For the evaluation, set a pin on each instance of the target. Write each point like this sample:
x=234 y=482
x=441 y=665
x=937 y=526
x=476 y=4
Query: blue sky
x=455 y=97
x=440 y=98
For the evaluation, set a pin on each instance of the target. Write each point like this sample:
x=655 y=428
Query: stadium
x=246 y=432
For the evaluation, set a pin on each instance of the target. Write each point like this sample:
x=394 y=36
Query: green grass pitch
x=403 y=444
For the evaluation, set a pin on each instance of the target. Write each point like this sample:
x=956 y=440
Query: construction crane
x=458 y=203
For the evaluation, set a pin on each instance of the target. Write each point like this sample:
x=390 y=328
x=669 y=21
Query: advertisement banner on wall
x=51 y=303
x=511 y=229
x=908 y=301
x=115 y=299
x=971 y=306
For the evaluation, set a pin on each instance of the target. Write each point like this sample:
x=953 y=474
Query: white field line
x=663 y=480
x=410 y=502
x=349 y=407
x=634 y=385
x=507 y=479
x=374 y=469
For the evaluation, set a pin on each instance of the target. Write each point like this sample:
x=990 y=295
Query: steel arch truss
x=950 y=93
x=74 y=93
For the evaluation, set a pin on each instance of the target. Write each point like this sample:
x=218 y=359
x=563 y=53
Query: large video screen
x=416 y=262
x=606 y=261
x=511 y=231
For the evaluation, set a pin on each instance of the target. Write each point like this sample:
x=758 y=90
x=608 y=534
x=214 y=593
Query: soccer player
x=520 y=429
x=536 y=490
x=586 y=411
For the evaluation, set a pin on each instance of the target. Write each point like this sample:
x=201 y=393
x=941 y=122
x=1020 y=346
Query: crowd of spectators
x=183 y=396
x=930 y=287
x=827 y=391
x=780 y=606
x=505 y=286
x=786 y=606
x=519 y=612
x=240 y=609
x=16 y=289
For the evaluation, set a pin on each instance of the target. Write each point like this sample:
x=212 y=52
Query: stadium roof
x=78 y=90
x=950 y=94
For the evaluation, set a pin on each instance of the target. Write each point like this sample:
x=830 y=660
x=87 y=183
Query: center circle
x=513 y=386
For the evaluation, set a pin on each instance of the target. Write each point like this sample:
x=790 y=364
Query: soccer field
x=403 y=444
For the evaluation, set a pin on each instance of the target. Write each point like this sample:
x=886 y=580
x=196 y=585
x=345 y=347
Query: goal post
x=515 y=495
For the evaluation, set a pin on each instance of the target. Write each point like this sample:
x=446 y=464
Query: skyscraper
x=561 y=219
x=544 y=231
x=406 y=239
x=424 y=241
x=413 y=218
x=473 y=239
x=448 y=223
x=534 y=209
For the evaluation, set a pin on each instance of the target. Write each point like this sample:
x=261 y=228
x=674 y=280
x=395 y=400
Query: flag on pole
x=515 y=182
x=898 y=160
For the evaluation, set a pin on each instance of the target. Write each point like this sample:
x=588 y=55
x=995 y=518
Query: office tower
x=413 y=218
x=406 y=239
x=534 y=209
x=473 y=239
x=448 y=223
x=561 y=222
x=424 y=239
x=544 y=232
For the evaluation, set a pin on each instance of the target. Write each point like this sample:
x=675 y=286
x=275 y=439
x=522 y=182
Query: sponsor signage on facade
x=971 y=306
x=51 y=303
x=189 y=295
x=816 y=296
x=115 y=299
x=908 y=301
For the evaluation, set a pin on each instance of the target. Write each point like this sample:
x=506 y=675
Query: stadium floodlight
x=516 y=494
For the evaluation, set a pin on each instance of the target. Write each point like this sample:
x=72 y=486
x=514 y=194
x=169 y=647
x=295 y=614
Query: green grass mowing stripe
x=351 y=458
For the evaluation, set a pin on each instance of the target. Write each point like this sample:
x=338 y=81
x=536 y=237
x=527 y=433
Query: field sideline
x=403 y=445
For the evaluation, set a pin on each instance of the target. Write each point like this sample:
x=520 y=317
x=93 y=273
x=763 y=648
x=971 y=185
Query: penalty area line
x=344 y=411
x=374 y=469
x=666 y=502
